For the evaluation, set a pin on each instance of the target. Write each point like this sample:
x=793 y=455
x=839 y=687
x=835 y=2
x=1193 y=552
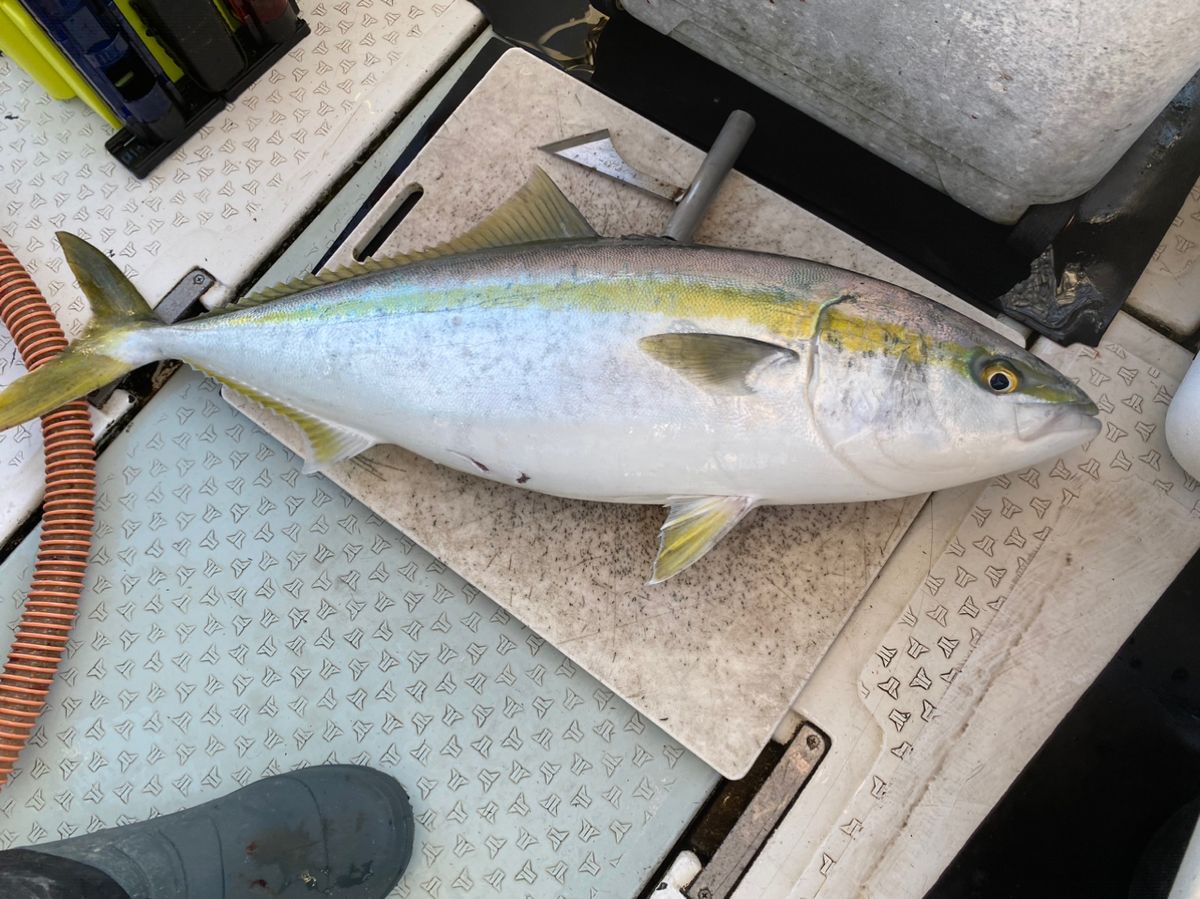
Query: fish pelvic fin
x=325 y=442
x=694 y=525
x=95 y=358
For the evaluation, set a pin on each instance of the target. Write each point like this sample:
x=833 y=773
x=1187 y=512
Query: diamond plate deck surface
x=227 y=196
x=242 y=619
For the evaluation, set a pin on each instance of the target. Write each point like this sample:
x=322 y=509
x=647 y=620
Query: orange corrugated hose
x=68 y=514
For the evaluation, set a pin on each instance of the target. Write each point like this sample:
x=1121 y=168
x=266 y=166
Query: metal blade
x=595 y=151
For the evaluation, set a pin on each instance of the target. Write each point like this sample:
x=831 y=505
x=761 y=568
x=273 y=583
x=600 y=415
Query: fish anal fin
x=717 y=362
x=539 y=211
x=694 y=525
x=325 y=442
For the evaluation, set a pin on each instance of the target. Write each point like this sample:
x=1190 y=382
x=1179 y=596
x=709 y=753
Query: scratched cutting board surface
x=228 y=195
x=241 y=619
x=717 y=654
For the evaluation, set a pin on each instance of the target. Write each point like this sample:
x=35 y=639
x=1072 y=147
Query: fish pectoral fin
x=717 y=362
x=694 y=525
x=324 y=441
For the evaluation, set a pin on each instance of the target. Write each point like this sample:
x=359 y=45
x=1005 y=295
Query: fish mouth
x=1066 y=423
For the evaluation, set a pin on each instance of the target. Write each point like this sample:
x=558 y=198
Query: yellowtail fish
x=532 y=352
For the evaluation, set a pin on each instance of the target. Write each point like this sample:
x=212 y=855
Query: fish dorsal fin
x=324 y=441
x=538 y=211
x=695 y=525
x=321 y=278
x=717 y=362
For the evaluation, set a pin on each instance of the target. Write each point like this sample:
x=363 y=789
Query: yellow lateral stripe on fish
x=784 y=315
x=707 y=379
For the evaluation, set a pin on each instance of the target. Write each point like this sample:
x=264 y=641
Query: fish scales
x=527 y=368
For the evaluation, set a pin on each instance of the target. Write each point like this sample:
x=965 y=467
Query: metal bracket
x=760 y=818
x=179 y=298
x=173 y=306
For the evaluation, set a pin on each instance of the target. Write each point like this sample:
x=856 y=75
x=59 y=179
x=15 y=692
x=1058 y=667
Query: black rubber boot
x=27 y=874
x=332 y=830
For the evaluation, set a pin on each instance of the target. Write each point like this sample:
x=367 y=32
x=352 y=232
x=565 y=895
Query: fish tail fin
x=95 y=358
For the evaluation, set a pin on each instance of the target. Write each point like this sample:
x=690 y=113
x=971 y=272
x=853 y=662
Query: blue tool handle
x=102 y=45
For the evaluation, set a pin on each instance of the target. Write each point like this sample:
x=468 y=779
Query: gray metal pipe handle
x=709 y=177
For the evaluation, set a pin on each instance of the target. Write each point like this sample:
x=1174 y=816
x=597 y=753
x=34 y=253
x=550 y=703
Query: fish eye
x=1000 y=377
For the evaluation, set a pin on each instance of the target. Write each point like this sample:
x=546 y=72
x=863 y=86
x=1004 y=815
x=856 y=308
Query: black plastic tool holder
x=1106 y=238
x=141 y=154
